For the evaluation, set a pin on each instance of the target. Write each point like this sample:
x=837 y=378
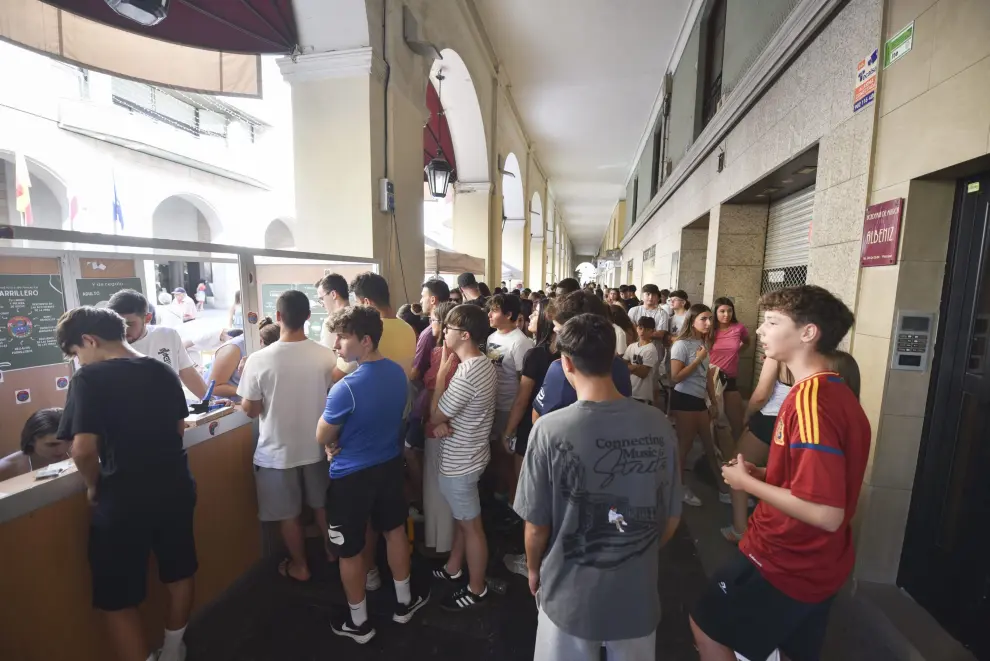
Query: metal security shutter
x=785 y=261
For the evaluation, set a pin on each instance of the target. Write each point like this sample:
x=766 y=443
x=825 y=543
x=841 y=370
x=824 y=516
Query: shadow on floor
x=268 y=618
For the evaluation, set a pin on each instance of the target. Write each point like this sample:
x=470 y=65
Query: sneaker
x=463 y=599
x=416 y=515
x=342 y=625
x=373 y=581
x=725 y=498
x=180 y=656
x=404 y=612
x=442 y=573
x=516 y=564
x=689 y=497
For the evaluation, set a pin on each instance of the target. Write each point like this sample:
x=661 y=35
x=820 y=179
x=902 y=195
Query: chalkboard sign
x=97 y=291
x=269 y=304
x=30 y=307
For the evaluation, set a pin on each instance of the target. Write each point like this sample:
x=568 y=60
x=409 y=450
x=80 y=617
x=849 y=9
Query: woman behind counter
x=39 y=447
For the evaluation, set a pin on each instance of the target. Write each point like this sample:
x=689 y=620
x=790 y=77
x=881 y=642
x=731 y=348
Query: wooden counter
x=44 y=572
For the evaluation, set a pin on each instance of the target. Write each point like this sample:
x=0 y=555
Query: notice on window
x=30 y=307
x=866 y=81
x=97 y=291
x=318 y=315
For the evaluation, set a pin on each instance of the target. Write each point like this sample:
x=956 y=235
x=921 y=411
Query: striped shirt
x=469 y=402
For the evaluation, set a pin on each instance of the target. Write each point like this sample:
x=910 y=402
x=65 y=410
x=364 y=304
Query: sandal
x=730 y=535
x=283 y=570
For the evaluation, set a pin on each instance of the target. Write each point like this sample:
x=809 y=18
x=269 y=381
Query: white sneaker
x=689 y=497
x=373 y=581
x=181 y=656
x=516 y=564
x=416 y=515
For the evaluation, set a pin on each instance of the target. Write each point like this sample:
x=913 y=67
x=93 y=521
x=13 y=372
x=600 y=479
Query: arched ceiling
x=463 y=112
x=585 y=75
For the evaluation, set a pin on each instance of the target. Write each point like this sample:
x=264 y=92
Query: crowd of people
x=575 y=408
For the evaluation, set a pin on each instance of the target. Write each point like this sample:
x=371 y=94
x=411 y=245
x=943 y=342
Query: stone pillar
x=737 y=236
x=338 y=115
x=472 y=203
x=692 y=263
x=537 y=263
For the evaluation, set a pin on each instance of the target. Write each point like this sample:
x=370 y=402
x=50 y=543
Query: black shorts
x=761 y=426
x=371 y=494
x=728 y=383
x=680 y=401
x=415 y=434
x=743 y=611
x=119 y=550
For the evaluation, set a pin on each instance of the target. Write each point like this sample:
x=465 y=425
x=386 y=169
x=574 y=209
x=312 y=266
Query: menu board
x=30 y=307
x=269 y=303
x=97 y=291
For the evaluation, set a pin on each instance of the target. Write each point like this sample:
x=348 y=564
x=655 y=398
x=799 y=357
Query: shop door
x=947 y=546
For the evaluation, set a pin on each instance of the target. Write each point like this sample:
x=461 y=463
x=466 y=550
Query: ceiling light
x=145 y=12
x=808 y=169
x=770 y=191
x=761 y=195
x=787 y=181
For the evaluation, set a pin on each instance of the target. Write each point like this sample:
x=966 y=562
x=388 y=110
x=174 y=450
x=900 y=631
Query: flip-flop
x=283 y=571
x=730 y=535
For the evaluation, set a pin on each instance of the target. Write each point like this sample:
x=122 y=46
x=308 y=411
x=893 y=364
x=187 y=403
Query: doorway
x=943 y=564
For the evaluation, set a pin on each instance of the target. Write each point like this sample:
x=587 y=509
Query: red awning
x=437 y=129
x=231 y=26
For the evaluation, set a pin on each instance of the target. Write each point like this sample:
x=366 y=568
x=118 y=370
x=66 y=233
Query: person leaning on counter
x=39 y=446
x=126 y=415
x=162 y=343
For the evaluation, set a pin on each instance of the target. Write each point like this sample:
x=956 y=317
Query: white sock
x=457 y=575
x=173 y=641
x=402 y=591
x=480 y=594
x=359 y=612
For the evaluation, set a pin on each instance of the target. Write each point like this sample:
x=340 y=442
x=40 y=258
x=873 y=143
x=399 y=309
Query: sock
x=173 y=641
x=457 y=575
x=480 y=594
x=402 y=591
x=359 y=612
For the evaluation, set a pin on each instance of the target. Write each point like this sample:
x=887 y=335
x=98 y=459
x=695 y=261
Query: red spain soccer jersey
x=820 y=446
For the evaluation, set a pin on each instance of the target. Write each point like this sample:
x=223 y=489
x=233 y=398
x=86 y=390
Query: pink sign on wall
x=881 y=233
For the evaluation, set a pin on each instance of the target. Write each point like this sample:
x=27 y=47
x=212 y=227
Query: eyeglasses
x=455 y=328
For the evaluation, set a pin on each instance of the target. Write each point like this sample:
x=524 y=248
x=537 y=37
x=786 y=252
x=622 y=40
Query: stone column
x=737 y=236
x=338 y=115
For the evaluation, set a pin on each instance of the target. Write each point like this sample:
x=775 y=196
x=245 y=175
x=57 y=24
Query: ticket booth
x=44 y=520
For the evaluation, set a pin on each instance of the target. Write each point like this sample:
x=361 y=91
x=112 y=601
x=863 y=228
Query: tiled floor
x=267 y=618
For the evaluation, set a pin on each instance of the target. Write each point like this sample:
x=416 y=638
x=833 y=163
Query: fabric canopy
x=101 y=47
x=444 y=261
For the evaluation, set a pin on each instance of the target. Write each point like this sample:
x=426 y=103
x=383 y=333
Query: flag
x=118 y=213
x=22 y=187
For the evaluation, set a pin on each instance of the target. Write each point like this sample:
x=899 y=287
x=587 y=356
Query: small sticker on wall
x=22 y=396
x=973 y=187
x=252 y=318
x=62 y=383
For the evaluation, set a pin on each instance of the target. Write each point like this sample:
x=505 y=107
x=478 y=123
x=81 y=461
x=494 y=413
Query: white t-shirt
x=469 y=403
x=677 y=323
x=620 y=340
x=659 y=315
x=187 y=308
x=165 y=345
x=291 y=380
x=506 y=351
x=642 y=387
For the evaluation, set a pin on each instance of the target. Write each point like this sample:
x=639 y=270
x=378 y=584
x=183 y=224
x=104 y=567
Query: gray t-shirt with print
x=697 y=382
x=604 y=477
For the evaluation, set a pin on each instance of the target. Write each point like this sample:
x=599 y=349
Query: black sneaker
x=442 y=573
x=463 y=599
x=342 y=625
x=403 y=612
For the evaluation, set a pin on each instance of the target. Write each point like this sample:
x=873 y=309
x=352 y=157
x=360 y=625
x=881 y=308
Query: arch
x=278 y=236
x=586 y=272
x=536 y=220
x=513 y=220
x=186 y=217
x=49 y=192
x=463 y=112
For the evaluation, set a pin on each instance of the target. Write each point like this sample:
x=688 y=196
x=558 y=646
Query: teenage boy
x=642 y=359
x=557 y=391
x=798 y=550
x=398 y=342
x=566 y=286
x=465 y=410
x=632 y=301
x=162 y=343
x=678 y=302
x=507 y=347
x=332 y=291
x=470 y=292
x=361 y=428
x=125 y=415
x=651 y=308
x=434 y=292
x=595 y=517
x=285 y=385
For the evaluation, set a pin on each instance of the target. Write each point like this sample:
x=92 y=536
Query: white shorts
x=554 y=644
